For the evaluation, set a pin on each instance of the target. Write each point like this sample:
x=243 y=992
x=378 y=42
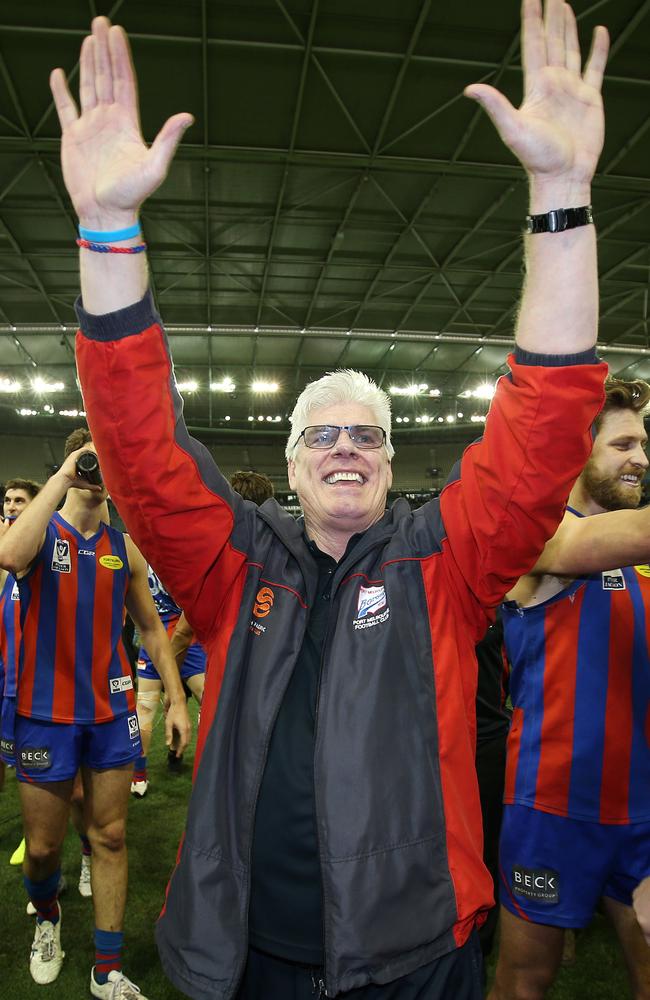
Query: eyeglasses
x=324 y=436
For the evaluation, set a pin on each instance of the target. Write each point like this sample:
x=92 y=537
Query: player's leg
x=551 y=873
x=529 y=958
x=79 y=823
x=107 y=768
x=46 y=762
x=635 y=949
x=147 y=705
x=631 y=867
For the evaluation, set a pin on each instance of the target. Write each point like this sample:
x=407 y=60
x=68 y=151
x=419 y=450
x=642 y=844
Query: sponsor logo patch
x=371 y=607
x=61 y=556
x=643 y=570
x=15 y=593
x=8 y=747
x=263 y=602
x=538 y=884
x=111 y=562
x=613 y=579
x=87 y=552
x=134 y=729
x=36 y=758
x=119 y=684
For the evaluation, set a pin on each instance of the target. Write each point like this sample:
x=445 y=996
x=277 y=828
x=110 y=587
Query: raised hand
x=558 y=131
x=108 y=168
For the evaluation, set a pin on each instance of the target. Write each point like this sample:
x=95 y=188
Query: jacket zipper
x=321 y=983
x=317 y=986
x=237 y=978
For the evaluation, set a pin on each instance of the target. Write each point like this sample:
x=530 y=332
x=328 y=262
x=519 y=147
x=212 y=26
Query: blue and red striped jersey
x=73 y=664
x=166 y=606
x=579 y=744
x=9 y=636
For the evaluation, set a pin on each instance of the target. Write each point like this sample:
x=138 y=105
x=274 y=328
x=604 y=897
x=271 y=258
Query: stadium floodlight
x=262 y=386
x=41 y=385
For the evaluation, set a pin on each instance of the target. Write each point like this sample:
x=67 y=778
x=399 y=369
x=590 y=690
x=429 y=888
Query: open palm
x=108 y=168
x=559 y=128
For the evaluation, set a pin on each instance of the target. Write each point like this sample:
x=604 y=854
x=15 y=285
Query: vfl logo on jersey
x=15 y=593
x=111 y=562
x=134 y=730
x=61 y=556
x=263 y=602
x=613 y=579
x=36 y=758
x=643 y=570
x=119 y=684
x=370 y=603
x=541 y=885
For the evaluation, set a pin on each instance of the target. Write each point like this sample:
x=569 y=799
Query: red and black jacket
x=398 y=816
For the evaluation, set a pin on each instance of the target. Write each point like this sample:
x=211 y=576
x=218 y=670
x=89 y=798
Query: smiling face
x=613 y=475
x=341 y=490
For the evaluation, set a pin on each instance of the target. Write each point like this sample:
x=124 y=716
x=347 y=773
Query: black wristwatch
x=558 y=220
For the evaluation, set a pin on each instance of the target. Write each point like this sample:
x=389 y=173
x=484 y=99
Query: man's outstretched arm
x=557 y=135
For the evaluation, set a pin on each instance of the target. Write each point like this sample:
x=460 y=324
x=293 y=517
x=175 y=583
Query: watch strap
x=558 y=220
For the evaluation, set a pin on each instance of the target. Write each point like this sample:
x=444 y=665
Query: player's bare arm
x=181 y=640
x=20 y=546
x=140 y=606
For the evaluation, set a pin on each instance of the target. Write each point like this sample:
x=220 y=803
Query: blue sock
x=44 y=896
x=108 y=953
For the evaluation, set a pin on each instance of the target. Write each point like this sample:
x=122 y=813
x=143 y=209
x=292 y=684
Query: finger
x=571 y=41
x=498 y=107
x=66 y=108
x=533 y=45
x=125 y=88
x=554 y=28
x=595 y=65
x=165 y=143
x=103 y=71
x=87 y=93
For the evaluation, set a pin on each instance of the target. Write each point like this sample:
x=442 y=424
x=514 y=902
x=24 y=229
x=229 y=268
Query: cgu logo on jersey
x=61 y=556
x=263 y=602
x=371 y=607
x=119 y=684
x=613 y=579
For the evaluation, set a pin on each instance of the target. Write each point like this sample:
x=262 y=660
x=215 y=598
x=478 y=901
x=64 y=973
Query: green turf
x=155 y=826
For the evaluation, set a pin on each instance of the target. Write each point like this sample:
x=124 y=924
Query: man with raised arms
x=333 y=843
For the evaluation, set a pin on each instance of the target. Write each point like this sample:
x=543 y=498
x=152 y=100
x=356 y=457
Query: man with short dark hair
x=75 y=705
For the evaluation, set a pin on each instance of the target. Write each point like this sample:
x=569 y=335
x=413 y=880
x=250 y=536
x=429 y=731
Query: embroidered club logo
x=61 y=556
x=263 y=602
x=371 y=607
x=613 y=579
x=371 y=600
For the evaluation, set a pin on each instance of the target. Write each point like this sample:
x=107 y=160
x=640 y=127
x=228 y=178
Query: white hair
x=342 y=386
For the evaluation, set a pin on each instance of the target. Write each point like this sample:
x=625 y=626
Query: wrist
x=546 y=194
x=104 y=221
